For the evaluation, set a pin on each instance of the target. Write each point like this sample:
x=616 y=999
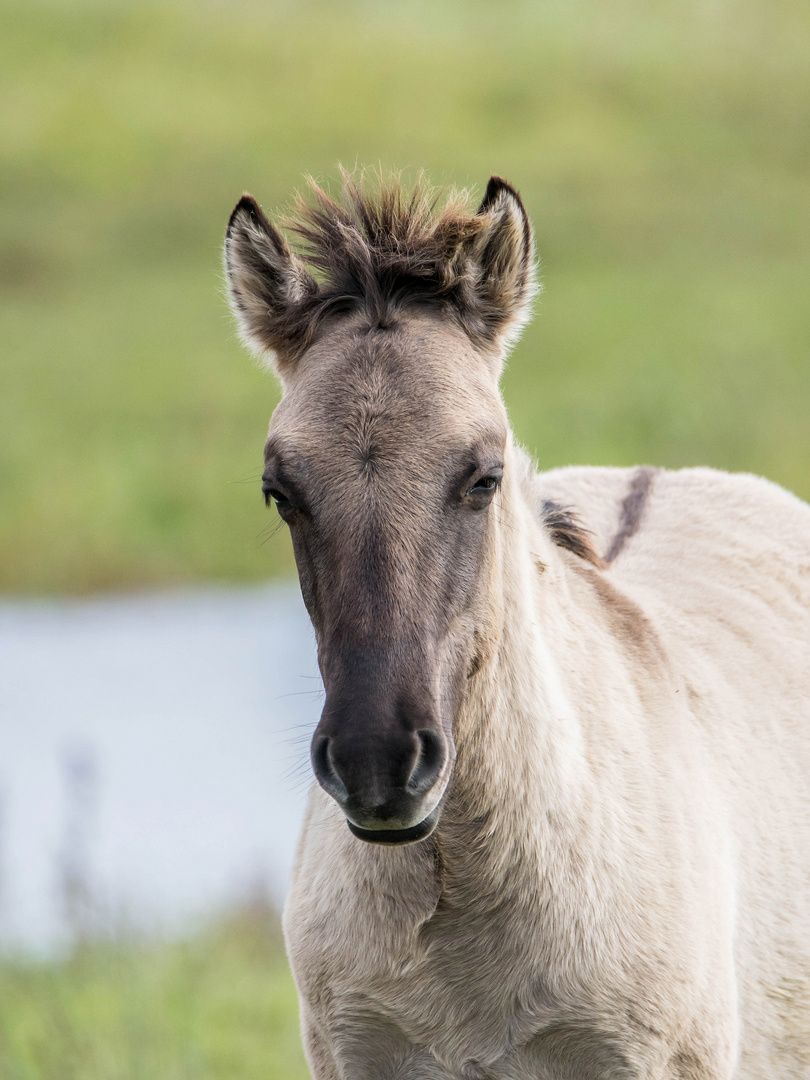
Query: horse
x=561 y=824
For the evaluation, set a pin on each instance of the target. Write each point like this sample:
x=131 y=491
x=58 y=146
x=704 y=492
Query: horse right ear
x=265 y=280
x=502 y=257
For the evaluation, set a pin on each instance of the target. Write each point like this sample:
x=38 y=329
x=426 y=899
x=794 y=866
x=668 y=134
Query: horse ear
x=503 y=257
x=265 y=280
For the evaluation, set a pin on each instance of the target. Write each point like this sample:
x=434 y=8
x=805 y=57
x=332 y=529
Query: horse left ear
x=502 y=254
x=265 y=282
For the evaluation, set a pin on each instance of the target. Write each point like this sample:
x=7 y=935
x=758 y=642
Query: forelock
x=380 y=247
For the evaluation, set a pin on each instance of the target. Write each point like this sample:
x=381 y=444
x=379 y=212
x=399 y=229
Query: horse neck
x=521 y=763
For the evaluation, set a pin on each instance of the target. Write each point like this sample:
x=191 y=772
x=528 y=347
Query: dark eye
x=485 y=487
x=486 y=483
x=278 y=497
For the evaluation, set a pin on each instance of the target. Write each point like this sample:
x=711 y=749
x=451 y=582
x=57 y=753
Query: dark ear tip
x=497 y=187
x=246 y=207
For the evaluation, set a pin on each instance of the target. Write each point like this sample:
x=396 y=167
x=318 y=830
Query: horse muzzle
x=389 y=784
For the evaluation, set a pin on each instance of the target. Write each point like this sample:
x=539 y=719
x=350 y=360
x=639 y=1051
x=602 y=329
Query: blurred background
x=157 y=679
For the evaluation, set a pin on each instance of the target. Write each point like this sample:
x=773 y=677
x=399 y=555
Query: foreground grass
x=216 y=1007
x=663 y=151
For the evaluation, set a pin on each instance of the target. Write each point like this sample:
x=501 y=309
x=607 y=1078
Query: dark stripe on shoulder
x=632 y=510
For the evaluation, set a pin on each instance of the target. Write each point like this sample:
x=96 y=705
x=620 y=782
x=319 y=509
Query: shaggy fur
x=605 y=768
x=380 y=251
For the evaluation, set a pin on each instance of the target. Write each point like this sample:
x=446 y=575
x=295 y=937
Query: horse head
x=385 y=458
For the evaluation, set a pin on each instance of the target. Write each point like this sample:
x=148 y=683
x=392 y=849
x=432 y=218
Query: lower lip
x=397 y=837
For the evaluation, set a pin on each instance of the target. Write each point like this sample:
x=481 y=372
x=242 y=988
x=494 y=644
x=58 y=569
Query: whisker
x=250 y=478
x=300 y=693
x=298 y=776
x=267 y=533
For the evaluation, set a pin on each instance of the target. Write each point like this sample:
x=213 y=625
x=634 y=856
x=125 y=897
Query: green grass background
x=217 y=1006
x=663 y=151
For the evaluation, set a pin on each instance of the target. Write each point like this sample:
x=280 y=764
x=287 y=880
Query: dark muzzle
x=382 y=756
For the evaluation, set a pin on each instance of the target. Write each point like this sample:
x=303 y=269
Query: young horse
x=563 y=823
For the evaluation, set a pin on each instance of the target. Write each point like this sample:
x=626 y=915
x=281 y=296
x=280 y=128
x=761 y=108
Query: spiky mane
x=568 y=532
x=381 y=247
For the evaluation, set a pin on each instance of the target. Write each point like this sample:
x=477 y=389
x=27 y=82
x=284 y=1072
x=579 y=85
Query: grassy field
x=219 y=1006
x=663 y=150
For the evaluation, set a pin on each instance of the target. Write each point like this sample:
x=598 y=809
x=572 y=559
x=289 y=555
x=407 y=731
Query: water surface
x=153 y=755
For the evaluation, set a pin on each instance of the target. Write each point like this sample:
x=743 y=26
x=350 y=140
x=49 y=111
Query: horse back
x=728 y=550
x=720 y=564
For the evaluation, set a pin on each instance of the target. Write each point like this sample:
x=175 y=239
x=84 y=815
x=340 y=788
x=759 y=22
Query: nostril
x=429 y=763
x=324 y=769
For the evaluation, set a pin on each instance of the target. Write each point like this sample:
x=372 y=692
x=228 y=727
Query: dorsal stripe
x=632 y=511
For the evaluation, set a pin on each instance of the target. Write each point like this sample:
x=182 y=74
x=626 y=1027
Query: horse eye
x=484 y=485
x=278 y=497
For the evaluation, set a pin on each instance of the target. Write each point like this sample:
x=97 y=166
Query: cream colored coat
x=619 y=885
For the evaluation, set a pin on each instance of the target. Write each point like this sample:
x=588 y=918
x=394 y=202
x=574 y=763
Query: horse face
x=385 y=458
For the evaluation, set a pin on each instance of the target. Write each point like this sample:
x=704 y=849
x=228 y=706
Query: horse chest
x=404 y=975
x=447 y=1013
x=457 y=995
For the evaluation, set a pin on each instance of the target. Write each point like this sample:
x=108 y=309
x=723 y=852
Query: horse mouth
x=397 y=837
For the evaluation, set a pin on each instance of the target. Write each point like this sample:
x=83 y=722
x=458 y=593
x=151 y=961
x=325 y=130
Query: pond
x=153 y=757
